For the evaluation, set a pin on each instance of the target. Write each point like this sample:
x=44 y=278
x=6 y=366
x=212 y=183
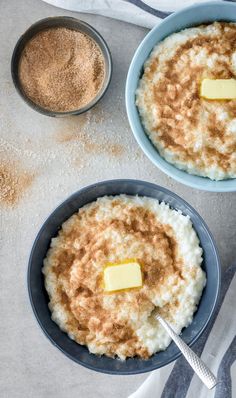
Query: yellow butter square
x=122 y=276
x=218 y=88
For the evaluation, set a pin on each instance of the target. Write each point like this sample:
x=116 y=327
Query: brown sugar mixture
x=61 y=69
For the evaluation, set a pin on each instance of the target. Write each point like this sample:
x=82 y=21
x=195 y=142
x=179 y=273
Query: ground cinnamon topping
x=112 y=230
x=187 y=126
x=61 y=69
x=84 y=290
x=182 y=96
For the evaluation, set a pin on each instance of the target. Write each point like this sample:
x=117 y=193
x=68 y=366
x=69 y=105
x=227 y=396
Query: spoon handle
x=195 y=362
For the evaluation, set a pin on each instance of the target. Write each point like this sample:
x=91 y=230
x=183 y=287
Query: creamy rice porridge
x=114 y=229
x=193 y=133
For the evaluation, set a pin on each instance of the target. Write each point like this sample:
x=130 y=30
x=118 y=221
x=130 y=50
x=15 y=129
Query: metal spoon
x=194 y=361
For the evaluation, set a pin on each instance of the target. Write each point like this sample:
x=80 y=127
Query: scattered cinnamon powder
x=61 y=69
x=13 y=182
x=91 y=144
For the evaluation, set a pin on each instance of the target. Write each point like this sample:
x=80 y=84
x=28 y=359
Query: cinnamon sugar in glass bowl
x=61 y=66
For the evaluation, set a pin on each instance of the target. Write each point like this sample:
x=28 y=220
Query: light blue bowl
x=190 y=16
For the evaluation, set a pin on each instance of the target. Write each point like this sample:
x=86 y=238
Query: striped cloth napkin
x=217 y=348
x=144 y=13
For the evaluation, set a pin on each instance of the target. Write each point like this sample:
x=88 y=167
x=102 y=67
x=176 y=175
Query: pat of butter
x=122 y=276
x=218 y=88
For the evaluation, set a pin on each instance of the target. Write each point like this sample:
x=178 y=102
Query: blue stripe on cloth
x=182 y=374
x=224 y=388
x=147 y=8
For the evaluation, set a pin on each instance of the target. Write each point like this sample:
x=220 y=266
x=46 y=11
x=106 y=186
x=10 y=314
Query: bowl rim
x=191 y=180
x=101 y=43
x=144 y=184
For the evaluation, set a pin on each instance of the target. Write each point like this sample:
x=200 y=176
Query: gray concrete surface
x=63 y=155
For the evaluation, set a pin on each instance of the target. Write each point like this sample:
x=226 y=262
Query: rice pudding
x=110 y=230
x=193 y=133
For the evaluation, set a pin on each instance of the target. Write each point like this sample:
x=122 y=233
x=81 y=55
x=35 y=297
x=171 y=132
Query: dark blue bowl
x=39 y=297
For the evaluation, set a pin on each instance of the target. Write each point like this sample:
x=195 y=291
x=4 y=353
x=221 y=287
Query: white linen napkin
x=218 y=347
x=144 y=13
